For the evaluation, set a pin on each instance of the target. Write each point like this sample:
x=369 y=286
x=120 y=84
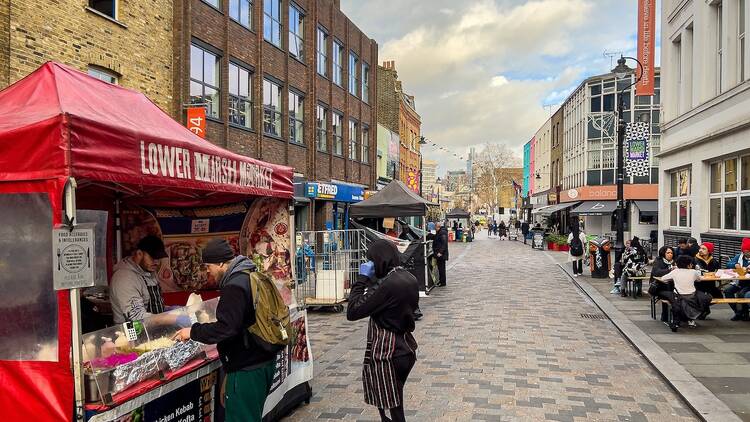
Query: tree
x=494 y=168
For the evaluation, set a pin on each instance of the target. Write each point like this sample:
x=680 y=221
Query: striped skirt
x=380 y=381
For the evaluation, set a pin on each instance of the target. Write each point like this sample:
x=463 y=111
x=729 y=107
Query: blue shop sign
x=334 y=192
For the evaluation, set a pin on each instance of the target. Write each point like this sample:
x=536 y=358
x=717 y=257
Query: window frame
x=299 y=34
x=274 y=22
x=296 y=109
x=238 y=97
x=97 y=72
x=321 y=133
x=337 y=74
x=353 y=139
x=209 y=106
x=238 y=18
x=723 y=194
x=269 y=109
x=337 y=132
x=365 y=97
x=679 y=198
x=365 y=143
x=324 y=53
x=354 y=88
x=115 y=12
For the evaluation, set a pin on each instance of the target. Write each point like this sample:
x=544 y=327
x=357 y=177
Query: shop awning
x=540 y=210
x=595 y=208
x=59 y=122
x=549 y=210
x=648 y=207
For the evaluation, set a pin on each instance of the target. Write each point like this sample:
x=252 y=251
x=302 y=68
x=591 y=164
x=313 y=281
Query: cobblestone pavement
x=507 y=340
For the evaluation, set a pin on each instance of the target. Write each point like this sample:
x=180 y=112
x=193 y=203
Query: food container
x=710 y=275
x=96 y=382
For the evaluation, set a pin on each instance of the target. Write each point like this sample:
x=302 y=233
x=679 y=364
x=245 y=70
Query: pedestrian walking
x=388 y=294
x=502 y=229
x=489 y=228
x=248 y=359
x=577 y=242
x=440 y=249
x=525 y=230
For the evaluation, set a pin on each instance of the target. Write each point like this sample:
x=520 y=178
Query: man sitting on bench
x=739 y=289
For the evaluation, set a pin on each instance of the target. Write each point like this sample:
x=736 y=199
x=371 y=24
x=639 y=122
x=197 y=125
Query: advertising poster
x=637 y=144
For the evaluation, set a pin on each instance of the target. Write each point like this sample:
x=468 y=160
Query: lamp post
x=421 y=170
x=620 y=72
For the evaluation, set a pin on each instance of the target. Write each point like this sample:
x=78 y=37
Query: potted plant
x=550 y=239
x=562 y=243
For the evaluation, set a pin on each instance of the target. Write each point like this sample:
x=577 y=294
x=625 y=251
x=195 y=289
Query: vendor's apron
x=155 y=302
x=378 y=374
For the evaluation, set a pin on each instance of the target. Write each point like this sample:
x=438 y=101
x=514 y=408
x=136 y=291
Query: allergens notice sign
x=73 y=257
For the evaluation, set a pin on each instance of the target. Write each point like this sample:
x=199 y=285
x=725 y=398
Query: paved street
x=510 y=338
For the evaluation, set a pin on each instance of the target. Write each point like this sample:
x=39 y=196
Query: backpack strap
x=253 y=287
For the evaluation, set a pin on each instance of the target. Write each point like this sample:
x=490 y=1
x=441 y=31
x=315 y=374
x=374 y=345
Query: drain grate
x=593 y=316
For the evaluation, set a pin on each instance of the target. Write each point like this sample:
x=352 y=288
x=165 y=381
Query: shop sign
x=196 y=120
x=199 y=226
x=609 y=193
x=551 y=198
x=73 y=253
x=334 y=192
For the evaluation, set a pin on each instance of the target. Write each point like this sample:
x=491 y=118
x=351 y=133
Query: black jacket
x=234 y=314
x=440 y=244
x=659 y=269
x=389 y=298
x=710 y=265
x=524 y=228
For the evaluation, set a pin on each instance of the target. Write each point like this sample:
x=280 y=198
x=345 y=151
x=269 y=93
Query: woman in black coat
x=389 y=295
x=663 y=265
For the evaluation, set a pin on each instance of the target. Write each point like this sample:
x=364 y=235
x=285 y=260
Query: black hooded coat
x=389 y=298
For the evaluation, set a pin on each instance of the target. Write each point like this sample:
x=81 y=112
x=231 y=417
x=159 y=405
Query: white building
x=429 y=176
x=589 y=156
x=705 y=157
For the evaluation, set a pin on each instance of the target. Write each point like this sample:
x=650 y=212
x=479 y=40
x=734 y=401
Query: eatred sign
x=196 y=120
x=646 y=28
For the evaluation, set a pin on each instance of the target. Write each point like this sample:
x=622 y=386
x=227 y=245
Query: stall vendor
x=134 y=290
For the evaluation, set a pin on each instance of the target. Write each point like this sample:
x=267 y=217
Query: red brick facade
x=199 y=22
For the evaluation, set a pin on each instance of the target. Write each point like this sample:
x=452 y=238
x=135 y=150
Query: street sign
x=73 y=255
x=196 y=120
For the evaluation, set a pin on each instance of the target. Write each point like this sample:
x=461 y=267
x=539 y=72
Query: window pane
x=715 y=213
x=596 y=104
x=210 y=69
x=673 y=213
x=684 y=182
x=745 y=213
x=745 y=172
x=609 y=102
x=716 y=178
x=107 y=7
x=730 y=213
x=212 y=98
x=730 y=175
x=234 y=82
x=244 y=83
x=595 y=89
x=196 y=63
x=683 y=214
x=267 y=30
x=245 y=13
x=196 y=92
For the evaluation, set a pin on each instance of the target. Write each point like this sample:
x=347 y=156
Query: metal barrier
x=327 y=263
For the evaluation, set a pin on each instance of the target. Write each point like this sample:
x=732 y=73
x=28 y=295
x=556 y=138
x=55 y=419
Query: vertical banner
x=196 y=120
x=646 y=28
x=636 y=145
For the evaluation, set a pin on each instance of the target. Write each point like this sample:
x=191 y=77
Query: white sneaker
x=615 y=291
x=692 y=324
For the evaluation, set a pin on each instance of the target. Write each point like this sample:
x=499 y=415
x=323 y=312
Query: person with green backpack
x=250 y=329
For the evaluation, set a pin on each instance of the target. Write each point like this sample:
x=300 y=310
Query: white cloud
x=498 y=81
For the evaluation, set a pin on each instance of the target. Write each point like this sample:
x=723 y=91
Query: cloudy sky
x=483 y=71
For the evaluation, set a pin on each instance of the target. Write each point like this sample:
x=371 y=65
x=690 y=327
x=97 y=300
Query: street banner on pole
x=196 y=120
x=637 y=144
x=646 y=29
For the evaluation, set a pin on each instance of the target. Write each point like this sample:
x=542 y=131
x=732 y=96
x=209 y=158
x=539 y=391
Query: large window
x=365 y=82
x=204 y=79
x=296 y=117
x=296 y=33
x=353 y=144
x=322 y=49
x=321 y=123
x=103 y=74
x=365 y=144
x=105 y=7
x=241 y=12
x=353 y=79
x=271 y=108
x=272 y=21
x=729 y=194
x=215 y=3
x=679 y=199
x=240 y=96
x=338 y=130
x=338 y=63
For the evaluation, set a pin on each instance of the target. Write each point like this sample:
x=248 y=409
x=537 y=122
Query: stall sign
x=196 y=120
x=74 y=254
x=199 y=226
x=334 y=192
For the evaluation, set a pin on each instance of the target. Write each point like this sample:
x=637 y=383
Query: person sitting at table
x=633 y=265
x=688 y=304
x=663 y=265
x=705 y=263
x=738 y=289
x=682 y=247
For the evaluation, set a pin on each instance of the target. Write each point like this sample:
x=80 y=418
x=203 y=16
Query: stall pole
x=118 y=230
x=69 y=217
x=424 y=252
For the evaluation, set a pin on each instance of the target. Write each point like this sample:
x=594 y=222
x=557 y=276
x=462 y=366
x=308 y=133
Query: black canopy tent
x=458 y=213
x=396 y=200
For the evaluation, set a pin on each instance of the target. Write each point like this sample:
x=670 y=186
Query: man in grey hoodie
x=134 y=290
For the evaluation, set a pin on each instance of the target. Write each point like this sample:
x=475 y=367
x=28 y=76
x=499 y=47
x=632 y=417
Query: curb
x=700 y=399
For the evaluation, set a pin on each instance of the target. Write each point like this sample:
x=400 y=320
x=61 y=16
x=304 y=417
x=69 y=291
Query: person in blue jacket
x=739 y=289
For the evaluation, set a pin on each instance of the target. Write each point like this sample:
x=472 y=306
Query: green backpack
x=271 y=328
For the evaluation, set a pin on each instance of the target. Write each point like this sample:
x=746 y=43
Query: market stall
x=461 y=220
x=86 y=169
x=397 y=200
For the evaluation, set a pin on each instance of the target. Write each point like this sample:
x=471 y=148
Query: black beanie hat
x=217 y=251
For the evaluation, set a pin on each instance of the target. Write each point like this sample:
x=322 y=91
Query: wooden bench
x=667 y=304
x=629 y=287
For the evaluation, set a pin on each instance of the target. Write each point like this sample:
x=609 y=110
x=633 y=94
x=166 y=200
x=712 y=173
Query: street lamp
x=621 y=71
x=421 y=171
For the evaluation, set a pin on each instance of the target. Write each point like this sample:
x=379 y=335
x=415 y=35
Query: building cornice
x=678 y=10
x=745 y=124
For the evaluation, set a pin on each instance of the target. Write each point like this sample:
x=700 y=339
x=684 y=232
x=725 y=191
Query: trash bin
x=599 y=257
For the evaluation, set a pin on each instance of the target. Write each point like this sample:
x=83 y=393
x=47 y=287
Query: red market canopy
x=59 y=122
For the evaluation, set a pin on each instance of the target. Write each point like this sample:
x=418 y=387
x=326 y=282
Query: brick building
x=288 y=82
x=397 y=112
x=128 y=43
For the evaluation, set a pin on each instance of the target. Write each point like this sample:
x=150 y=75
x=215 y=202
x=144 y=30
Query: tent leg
x=118 y=230
x=424 y=252
x=69 y=217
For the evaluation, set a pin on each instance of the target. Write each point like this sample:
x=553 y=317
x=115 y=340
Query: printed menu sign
x=73 y=254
